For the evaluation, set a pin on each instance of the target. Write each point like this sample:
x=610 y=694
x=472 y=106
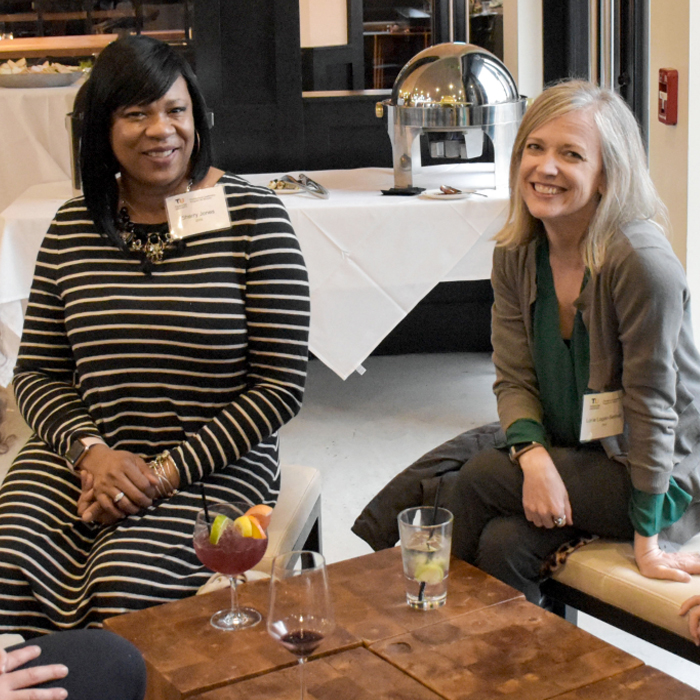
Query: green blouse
x=562 y=369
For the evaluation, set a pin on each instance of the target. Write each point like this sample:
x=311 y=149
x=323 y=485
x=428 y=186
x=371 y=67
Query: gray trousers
x=101 y=665
x=490 y=530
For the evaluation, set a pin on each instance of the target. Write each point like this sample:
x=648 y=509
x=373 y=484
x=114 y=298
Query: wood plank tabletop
x=357 y=674
x=370 y=595
x=185 y=655
x=486 y=642
x=514 y=649
x=641 y=683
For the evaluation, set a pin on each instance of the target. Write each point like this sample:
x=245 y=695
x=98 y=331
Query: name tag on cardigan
x=602 y=415
x=198 y=211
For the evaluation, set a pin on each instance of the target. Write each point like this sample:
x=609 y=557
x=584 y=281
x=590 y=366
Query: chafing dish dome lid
x=453 y=74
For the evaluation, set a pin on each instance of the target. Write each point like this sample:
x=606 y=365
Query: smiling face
x=153 y=143
x=561 y=173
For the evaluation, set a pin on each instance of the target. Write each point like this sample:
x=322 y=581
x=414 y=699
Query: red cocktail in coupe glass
x=230 y=543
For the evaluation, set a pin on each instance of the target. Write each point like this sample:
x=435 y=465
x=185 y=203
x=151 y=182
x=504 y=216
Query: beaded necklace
x=151 y=244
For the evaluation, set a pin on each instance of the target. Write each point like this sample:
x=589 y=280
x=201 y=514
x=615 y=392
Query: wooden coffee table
x=486 y=642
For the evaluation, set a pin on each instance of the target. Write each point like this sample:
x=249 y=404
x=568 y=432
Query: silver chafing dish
x=463 y=104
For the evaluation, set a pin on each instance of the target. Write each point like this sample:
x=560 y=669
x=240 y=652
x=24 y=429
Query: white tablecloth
x=33 y=138
x=22 y=228
x=371 y=258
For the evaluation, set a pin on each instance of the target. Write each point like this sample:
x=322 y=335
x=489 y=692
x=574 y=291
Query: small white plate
x=439 y=194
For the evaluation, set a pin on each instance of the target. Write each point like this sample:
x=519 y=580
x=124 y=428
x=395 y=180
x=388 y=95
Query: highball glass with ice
x=426 y=540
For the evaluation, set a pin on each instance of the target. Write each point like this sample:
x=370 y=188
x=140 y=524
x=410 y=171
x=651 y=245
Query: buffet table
x=371 y=258
x=33 y=138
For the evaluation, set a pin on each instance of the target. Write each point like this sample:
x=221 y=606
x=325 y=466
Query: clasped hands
x=105 y=474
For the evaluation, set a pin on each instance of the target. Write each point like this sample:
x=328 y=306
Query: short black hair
x=133 y=70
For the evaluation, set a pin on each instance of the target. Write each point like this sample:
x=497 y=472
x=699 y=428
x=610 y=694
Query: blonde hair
x=628 y=194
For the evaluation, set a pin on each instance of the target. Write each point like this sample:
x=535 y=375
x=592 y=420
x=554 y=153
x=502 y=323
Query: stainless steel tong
x=307 y=184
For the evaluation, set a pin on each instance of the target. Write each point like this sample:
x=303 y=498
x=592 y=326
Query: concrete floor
x=361 y=432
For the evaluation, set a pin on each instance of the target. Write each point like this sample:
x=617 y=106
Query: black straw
x=437 y=498
x=421 y=592
x=206 y=509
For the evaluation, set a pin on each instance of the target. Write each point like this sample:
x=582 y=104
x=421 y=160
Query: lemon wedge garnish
x=248 y=526
x=244 y=526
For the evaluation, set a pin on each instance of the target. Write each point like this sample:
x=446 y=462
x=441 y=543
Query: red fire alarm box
x=668 y=96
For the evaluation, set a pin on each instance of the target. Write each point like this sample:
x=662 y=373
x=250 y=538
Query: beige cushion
x=607 y=571
x=8 y=640
x=301 y=489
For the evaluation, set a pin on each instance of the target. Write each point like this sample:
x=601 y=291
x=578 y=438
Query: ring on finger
x=560 y=522
x=118 y=497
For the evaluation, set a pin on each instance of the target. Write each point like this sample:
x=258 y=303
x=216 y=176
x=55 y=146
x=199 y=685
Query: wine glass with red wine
x=301 y=611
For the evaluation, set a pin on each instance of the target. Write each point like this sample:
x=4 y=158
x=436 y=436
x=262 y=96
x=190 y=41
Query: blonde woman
x=597 y=375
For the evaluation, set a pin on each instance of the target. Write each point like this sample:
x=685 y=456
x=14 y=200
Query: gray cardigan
x=637 y=313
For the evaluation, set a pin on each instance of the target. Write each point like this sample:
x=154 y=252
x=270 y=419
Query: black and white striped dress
x=206 y=356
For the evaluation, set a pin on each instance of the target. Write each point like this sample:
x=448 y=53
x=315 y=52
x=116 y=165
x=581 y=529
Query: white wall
x=522 y=44
x=668 y=145
x=674 y=151
x=323 y=22
x=692 y=263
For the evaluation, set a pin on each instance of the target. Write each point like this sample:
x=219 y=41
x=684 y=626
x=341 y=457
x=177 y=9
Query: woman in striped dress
x=148 y=367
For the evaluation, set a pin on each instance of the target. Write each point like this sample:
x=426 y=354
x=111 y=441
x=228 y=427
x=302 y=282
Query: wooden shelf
x=63 y=16
x=74 y=45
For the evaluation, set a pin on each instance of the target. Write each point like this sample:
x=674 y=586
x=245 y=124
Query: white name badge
x=197 y=212
x=602 y=415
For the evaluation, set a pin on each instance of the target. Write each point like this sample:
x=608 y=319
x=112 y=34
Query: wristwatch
x=519 y=449
x=79 y=448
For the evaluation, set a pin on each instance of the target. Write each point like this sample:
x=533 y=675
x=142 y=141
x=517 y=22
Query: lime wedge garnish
x=221 y=522
x=430 y=573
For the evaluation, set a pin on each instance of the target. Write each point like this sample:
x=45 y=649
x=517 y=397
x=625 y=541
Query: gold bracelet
x=160 y=460
x=164 y=488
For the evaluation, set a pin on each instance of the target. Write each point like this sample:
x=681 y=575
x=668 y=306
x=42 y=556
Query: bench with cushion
x=296 y=519
x=601 y=579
